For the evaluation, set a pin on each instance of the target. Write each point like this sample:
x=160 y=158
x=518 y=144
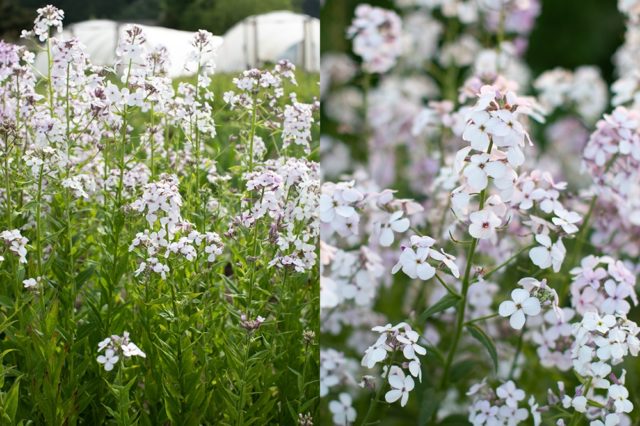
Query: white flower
x=401 y=385
x=448 y=260
x=579 y=403
x=131 y=349
x=376 y=353
x=620 y=396
x=410 y=340
x=510 y=393
x=396 y=223
x=593 y=322
x=483 y=224
x=31 y=283
x=109 y=359
x=477 y=132
x=567 y=220
x=548 y=254
x=342 y=410
x=329 y=297
x=414 y=263
x=616 y=295
x=521 y=305
x=481 y=168
x=610 y=419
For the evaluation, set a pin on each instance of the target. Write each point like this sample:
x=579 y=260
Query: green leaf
x=11 y=403
x=430 y=403
x=462 y=369
x=486 y=341
x=443 y=304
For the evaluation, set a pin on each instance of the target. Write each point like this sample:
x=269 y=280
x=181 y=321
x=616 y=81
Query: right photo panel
x=480 y=212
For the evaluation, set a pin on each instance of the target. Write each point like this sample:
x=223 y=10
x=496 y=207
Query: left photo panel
x=159 y=253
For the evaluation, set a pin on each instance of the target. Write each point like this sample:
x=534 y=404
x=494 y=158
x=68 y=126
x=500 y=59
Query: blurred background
x=216 y=16
x=249 y=33
x=568 y=33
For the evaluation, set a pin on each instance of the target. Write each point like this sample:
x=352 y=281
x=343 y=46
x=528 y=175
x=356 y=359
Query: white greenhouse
x=252 y=42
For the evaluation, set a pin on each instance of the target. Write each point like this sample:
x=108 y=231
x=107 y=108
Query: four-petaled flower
x=522 y=304
x=109 y=359
x=401 y=386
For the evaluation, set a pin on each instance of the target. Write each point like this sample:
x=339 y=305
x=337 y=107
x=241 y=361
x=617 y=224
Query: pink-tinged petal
x=345 y=211
x=610 y=287
x=401 y=225
x=517 y=320
x=351 y=195
x=386 y=237
x=476 y=178
x=495 y=169
x=515 y=156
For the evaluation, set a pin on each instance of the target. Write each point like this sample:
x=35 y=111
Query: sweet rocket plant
x=489 y=214
x=183 y=211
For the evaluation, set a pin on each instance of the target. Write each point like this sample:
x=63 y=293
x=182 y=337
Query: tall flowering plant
x=158 y=241
x=472 y=274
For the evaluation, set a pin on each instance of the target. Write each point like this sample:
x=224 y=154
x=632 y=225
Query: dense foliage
x=158 y=239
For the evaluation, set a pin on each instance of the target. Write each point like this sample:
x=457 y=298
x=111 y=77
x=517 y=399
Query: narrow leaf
x=486 y=341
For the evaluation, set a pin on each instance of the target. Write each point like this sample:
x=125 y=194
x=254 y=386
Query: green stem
x=449 y=289
x=374 y=400
x=505 y=263
x=252 y=132
x=240 y=405
x=482 y=318
x=252 y=280
x=514 y=364
x=50 y=83
x=199 y=211
x=463 y=301
x=39 y=221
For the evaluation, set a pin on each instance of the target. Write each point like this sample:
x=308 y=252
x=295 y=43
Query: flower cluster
x=16 y=243
x=582 y=89
x=393 y=340
x=414 y=259
x=48 y=17
x=376 y=34
x=116 y=346
x=286 y=192
x=604 y=285
x=499 y=406
x=298 y=119
x=254 y=82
